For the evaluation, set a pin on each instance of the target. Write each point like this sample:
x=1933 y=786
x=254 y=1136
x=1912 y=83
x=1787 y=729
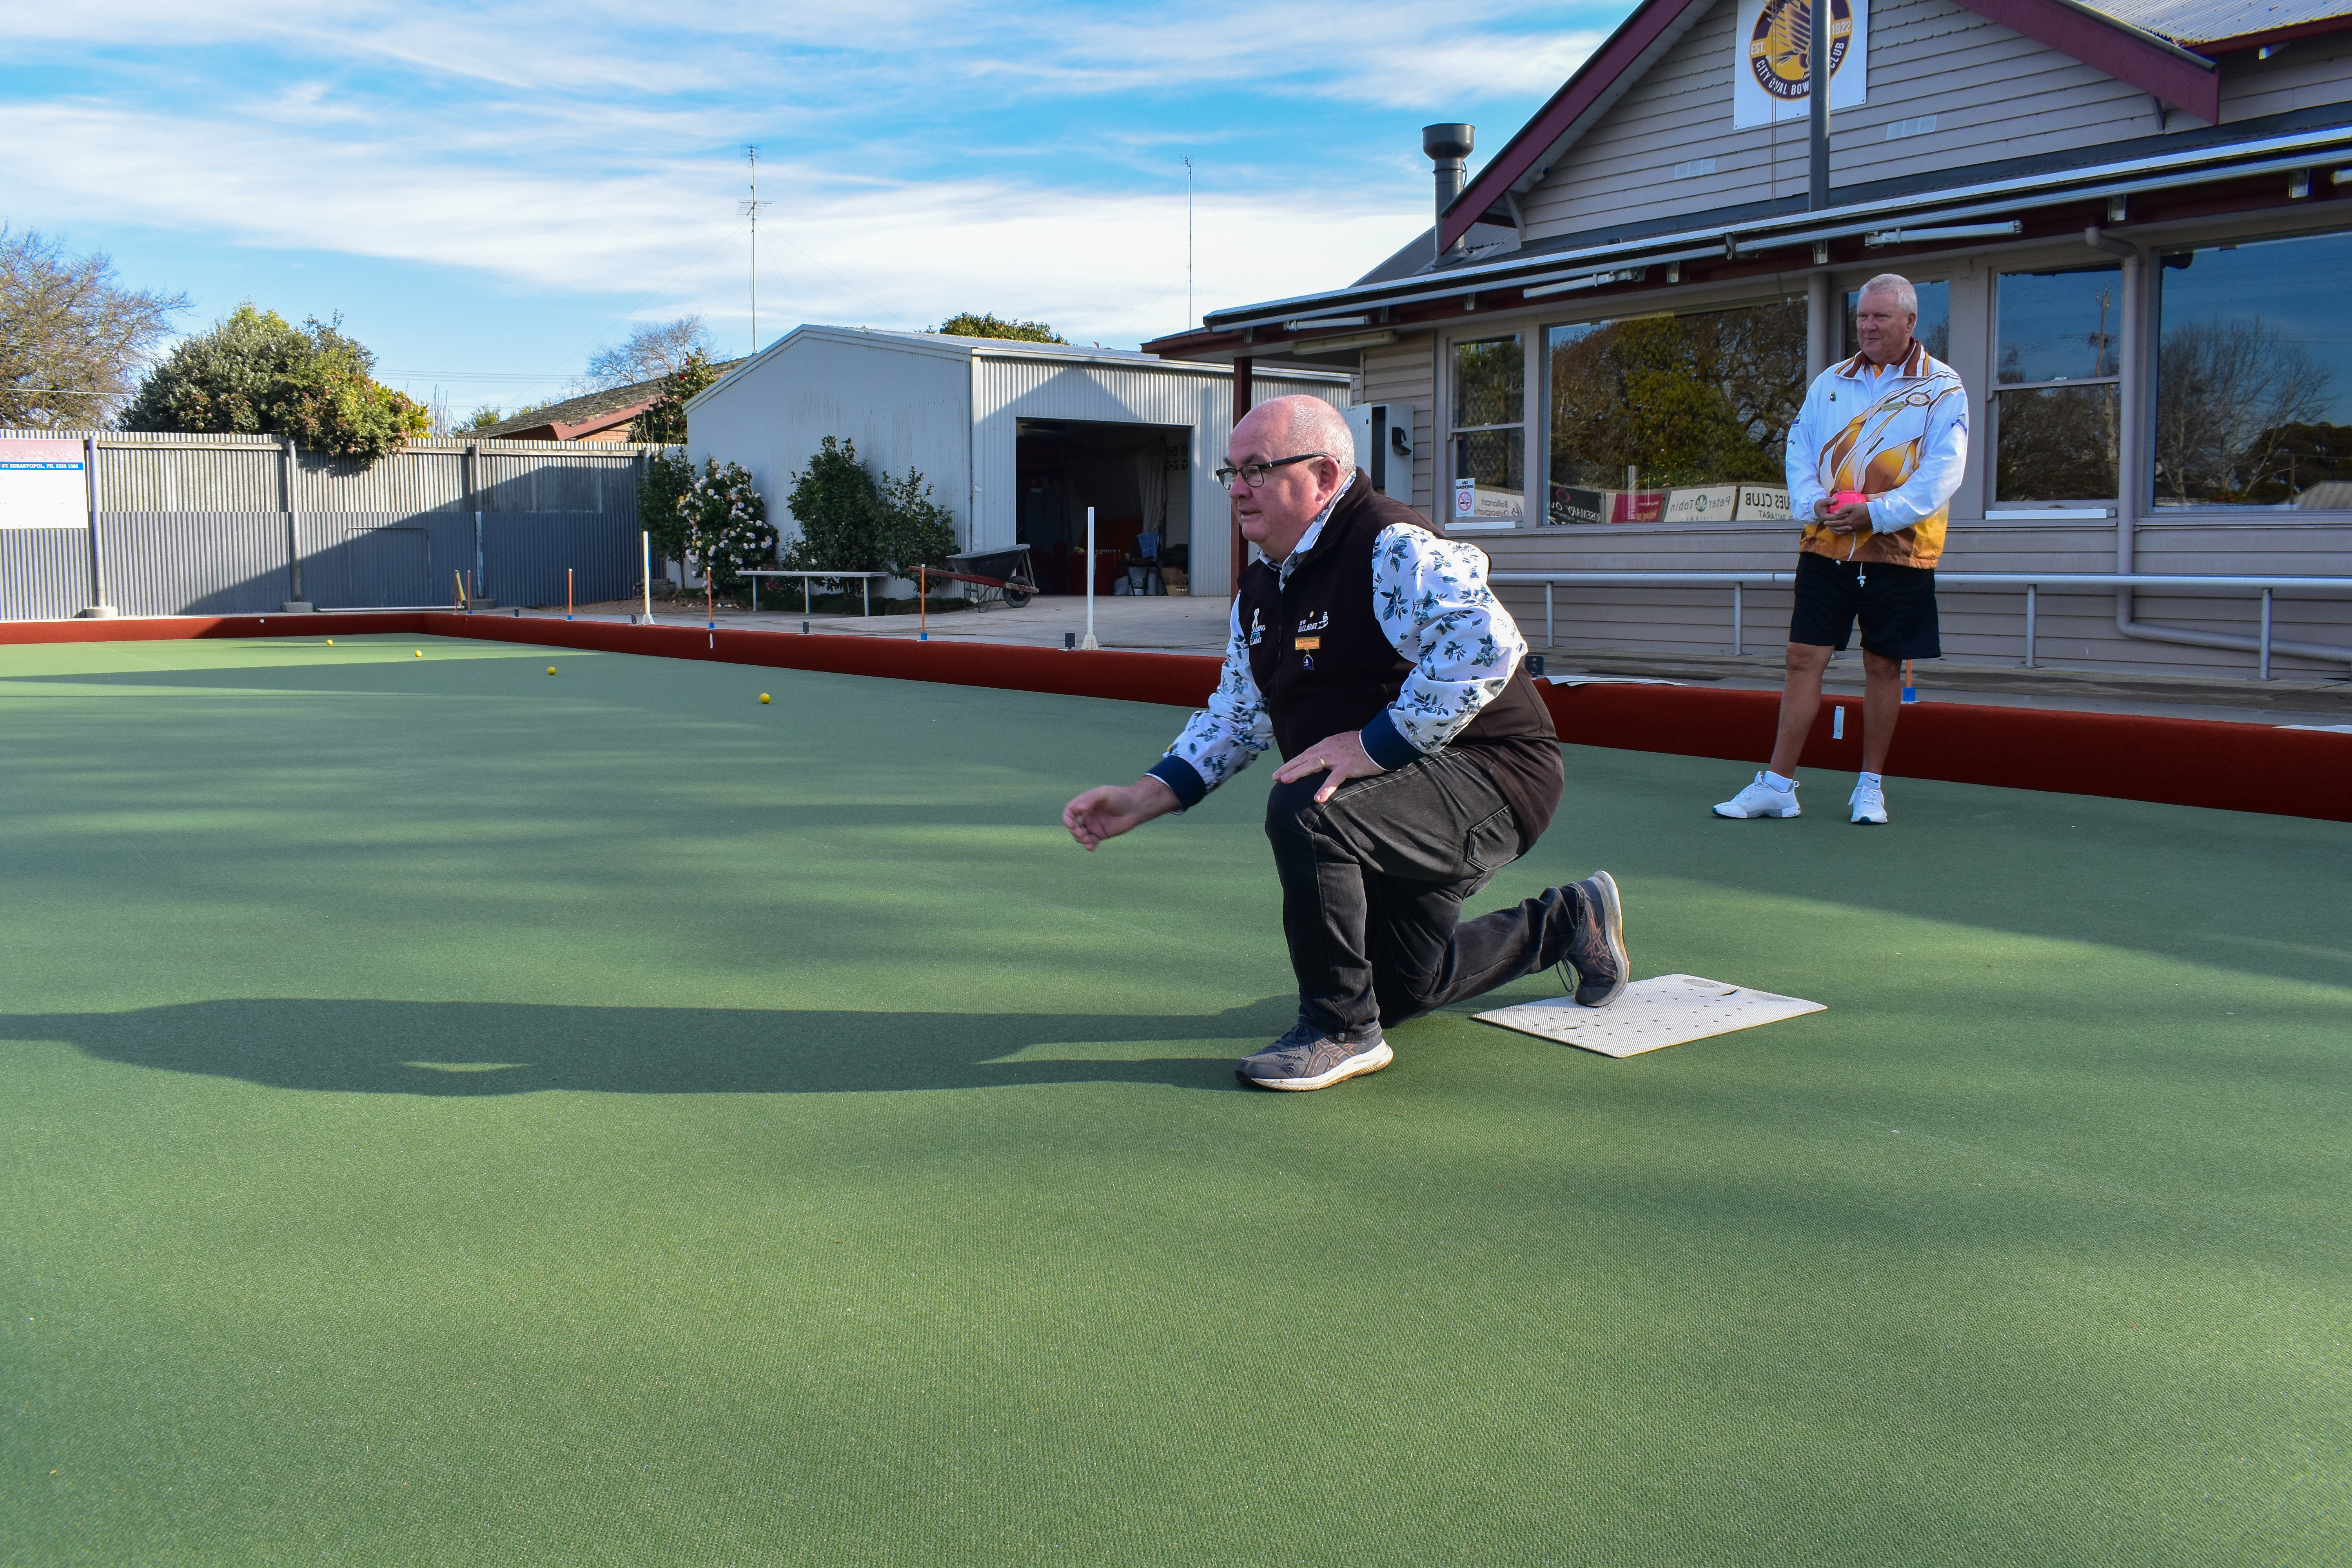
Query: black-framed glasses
x=1254 y=474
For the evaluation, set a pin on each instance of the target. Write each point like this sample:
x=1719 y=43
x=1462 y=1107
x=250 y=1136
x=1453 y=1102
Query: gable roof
x=948 y=346
x=2143 y=43
x=575 y=416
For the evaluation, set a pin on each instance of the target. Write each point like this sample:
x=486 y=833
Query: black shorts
x=1897 y=606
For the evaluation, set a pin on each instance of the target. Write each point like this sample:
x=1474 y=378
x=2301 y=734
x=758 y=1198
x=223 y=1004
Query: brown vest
x=1324 y=666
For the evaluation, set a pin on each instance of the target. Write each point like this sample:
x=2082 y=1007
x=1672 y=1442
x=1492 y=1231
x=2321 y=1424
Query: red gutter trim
x=1593 y=78
x=2173 y=762
x=2107 y=46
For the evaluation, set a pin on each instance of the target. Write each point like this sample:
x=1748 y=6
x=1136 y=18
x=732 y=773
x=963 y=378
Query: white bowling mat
x=1665 y=1010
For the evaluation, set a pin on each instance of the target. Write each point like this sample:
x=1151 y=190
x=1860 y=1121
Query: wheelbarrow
x=999 y=575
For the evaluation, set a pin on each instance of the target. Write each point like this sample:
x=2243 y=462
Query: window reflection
x=2253 y=376
x=1490 y=377
x=2056 y=407
x=1674 y=418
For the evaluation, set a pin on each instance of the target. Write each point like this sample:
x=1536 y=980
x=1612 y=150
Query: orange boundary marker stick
x=567 y=593
x=923 y=601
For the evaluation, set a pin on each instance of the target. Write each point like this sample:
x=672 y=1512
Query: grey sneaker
x=1310 y=1057
x=1597 y=950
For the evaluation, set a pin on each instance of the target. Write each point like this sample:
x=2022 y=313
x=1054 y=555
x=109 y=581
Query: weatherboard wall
x=1995 y=95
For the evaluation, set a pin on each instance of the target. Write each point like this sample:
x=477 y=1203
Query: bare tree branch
x=72 y=339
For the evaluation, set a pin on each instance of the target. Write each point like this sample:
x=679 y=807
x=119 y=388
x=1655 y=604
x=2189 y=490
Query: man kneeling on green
x=1420 y=760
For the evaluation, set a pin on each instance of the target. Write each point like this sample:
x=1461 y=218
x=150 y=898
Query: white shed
x=1016 y=438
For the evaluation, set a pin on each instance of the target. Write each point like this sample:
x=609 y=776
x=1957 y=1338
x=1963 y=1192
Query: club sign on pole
x=1771 y=70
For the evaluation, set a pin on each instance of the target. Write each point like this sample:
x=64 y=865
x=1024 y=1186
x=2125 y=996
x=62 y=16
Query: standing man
x=1874 y=459
x=1420 y=759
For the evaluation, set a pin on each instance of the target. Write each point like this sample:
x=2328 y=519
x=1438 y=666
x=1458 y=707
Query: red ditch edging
x=2171 y=761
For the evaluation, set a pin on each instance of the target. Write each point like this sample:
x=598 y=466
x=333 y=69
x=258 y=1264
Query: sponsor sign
x=42 y=484
x=1571 y=506
x=1771 y=66
x=1637 y=505
x=1486 y=503
x=1762 y=503
x=1710 y=503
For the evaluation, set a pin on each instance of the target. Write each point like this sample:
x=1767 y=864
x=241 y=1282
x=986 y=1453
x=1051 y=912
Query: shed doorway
x=1139 y=479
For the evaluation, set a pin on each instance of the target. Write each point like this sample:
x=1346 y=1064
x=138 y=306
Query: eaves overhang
x=1955 y=204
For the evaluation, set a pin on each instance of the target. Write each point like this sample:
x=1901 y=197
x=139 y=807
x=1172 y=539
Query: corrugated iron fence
x=210 y=525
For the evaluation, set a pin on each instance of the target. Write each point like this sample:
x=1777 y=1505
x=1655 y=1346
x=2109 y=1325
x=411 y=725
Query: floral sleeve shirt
x=1432 y=602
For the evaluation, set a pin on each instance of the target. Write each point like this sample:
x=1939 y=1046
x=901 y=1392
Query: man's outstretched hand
x=1110 y=810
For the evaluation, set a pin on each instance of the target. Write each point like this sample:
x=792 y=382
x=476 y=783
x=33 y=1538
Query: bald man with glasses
x=1419 y=759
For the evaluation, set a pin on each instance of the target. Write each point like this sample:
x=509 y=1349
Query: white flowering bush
x=726 y=527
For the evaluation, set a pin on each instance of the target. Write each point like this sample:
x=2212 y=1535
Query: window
x=1490 y=435
x=2253 y=376
x=1689 y=414
x=2057 y=399
x=1934 y=327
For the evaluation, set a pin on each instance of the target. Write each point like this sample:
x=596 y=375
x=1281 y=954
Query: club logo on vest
x=1315 y=622
x=1257 y=630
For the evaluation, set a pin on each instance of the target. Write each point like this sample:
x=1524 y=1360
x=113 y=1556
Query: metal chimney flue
x=1448 y=146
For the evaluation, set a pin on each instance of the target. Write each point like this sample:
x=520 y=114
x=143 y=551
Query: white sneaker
x=1869 y=803
x=1760 y=799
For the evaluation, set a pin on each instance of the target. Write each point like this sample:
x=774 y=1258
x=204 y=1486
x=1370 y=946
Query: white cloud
x=862 y=251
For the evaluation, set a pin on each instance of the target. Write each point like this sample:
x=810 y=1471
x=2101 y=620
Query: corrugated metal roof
x=2194 y=22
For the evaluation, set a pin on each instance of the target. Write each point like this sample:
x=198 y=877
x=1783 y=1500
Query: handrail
x=2031 y=582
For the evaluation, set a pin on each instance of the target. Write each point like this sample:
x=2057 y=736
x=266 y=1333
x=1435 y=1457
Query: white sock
x=1775 y=781
x=1873 y=780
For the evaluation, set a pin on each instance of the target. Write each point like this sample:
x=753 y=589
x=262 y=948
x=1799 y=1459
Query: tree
x=849 y=523
x=664 y=421
x=658 y=349
x=835 y=503
x=253 y=374
x=2226 y=392
x=71 y=337
x=487 y=415
x=916 y=531
x=668 y=476
x=726 y=529
x=969 y=325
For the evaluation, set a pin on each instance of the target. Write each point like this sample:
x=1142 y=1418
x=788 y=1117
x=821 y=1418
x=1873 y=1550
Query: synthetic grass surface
x=451 y=1114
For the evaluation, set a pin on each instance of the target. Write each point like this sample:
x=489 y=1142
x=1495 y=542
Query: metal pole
x=293 y=538
x=1548 y=639
x=1739 y=641
x=1817 y=75
x=99 y=608
x=646 y=582
x=2029 y=625
x=2266 y=633
x=474 y=492
x=1090 y=642
x=1240 y=551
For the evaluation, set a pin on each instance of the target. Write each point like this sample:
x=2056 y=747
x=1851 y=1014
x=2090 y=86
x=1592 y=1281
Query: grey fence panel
x=43 y=572
x=524 y=557
x=190 y=479
x=194 y=564
x=198 y=525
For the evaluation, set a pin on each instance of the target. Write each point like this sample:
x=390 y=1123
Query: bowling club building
x=2131 y=226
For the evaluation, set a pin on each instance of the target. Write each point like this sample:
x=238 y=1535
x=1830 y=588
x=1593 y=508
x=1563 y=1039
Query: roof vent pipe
x=1448 y=145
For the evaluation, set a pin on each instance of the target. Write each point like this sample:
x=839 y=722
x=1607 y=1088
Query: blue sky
x=488 y=192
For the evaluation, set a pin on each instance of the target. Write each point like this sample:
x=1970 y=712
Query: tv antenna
x=1188 y=240
x=752 y=210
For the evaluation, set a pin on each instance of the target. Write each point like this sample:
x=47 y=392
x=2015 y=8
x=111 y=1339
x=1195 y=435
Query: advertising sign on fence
x=42 y=484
